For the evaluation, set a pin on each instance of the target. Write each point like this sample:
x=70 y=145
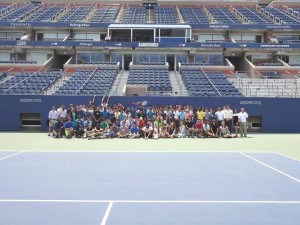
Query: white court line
x=145 y=201
x=287 y=156
x=273 y=168
x=105 y=217
x=6 y=157
x=166 y=151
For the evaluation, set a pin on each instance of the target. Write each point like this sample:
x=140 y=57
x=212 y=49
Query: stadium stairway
x=119 y=83
x=54 y=87
x=177 y=84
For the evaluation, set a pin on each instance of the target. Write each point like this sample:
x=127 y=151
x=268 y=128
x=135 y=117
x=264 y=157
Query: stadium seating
x=47 y=14
x=271 y=74
x=29 y=83
x=223 y=15
x=134 y=15
x=19 y=13
x=278 y=14
x=253 y=16
x=77 y=14
x=270 y=64
x=193 y=15
x=155 y=77
x=89 y=82
x=208 y=84
x=105 y=14
x=164 y=15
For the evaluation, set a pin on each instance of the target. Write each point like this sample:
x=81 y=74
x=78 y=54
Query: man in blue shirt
x=134 y=131
x=68 y=128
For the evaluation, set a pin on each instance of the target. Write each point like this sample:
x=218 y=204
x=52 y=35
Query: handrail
x=86 y=80
x=23 y=80
x=273 y=83
x=210 y=81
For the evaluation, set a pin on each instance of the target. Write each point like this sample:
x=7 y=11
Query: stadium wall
x=278 y=115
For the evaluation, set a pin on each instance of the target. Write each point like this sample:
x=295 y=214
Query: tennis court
x=133 y=188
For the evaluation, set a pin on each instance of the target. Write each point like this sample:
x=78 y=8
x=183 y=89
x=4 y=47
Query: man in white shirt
x=228 y=115
x=220 y=116
x=52 y=117
x=243 y=116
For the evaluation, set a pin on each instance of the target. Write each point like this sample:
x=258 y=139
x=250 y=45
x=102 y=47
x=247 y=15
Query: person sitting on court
x=97 y=132
x=198 y=128
x=164 y=132
x=172 y=131
x=109 y=132
x=156 y=133
x=58 y=129
x=214 y=129
x=224 y=131
x=79 y=127
x=147 y=130
x=89 y=130
x=123 y=131
x=134 y=131
x=69 y=128
x=206 y=129
x=182 y=130
x=190 y=127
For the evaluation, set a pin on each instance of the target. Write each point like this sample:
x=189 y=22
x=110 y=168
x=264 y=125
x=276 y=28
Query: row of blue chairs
x=106 y=14
x=223 y=15
x=29 y=83
x=47 y=14
x=156 y=78
x=77 y=14
x=164 y=15
x=210 y=84
x=19 y=13
x=89 y=82
x=134 y=15
x=193 y=15
x=271 y=74
x=283 y=17
x=253 y=16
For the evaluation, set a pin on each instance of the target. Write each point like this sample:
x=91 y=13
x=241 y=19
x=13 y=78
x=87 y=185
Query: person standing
x=243 y=116
x=52 y=117
x=235 y=120
x=228 y=116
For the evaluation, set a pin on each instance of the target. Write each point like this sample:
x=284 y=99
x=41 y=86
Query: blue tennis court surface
x=134 y=188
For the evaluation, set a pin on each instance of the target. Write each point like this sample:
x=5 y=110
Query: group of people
x=104 y=121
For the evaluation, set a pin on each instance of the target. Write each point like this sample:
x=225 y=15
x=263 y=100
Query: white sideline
x=105 y=217
x=6 y=157
x=146 y=201
x=287 y=156
x=273 y=168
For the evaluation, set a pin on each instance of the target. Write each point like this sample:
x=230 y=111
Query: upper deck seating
x=223 y=15
x=193 y=15
x=77 y=14
x=135 y=15
x=164 y=15
x=283 y=17
x=105 y=14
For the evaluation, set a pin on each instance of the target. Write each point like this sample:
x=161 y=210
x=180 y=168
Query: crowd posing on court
x=149 y=122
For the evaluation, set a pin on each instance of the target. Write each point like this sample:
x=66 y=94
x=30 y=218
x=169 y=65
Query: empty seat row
x=29 y=83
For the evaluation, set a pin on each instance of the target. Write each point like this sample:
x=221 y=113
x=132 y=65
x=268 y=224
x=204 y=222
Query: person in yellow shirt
x=200 y=113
